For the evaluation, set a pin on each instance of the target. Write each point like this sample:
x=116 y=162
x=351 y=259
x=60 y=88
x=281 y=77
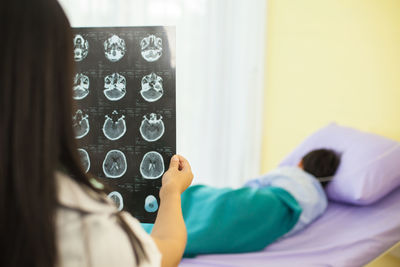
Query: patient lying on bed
x=305 y=183
x=275 y=205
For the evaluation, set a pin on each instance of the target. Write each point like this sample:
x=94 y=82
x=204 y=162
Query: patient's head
x=321 y=163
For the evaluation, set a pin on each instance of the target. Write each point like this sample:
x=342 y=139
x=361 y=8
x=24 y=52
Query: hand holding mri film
x=178 y=177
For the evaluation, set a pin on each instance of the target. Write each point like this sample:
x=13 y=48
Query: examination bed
x=345 y=235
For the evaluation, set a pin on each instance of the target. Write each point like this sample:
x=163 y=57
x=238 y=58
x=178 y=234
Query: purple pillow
x=369 y=168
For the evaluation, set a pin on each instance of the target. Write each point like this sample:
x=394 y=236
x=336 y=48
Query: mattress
x=345 y=235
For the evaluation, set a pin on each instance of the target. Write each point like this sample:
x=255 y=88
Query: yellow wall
x=330 y=60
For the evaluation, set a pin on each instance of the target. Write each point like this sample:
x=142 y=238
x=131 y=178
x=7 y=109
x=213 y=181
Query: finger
x=174 y=163
x=184 y=164
x=181 y=159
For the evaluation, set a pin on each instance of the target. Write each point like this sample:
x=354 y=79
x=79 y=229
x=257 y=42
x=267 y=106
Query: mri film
x=114 y=86
x=152 y=165
x=114 y=48
x=85 y=160
x=124 y=88
x=151 y=48
x=117 y=198
x=150 y=203
x=152 y=87
x=114 y=164
x=152 y=127
x=114 y=126
x=81 y=48
x=80 y=122
x=81 y=86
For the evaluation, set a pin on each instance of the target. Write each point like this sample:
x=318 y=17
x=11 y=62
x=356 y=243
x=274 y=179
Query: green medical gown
x=225 y=220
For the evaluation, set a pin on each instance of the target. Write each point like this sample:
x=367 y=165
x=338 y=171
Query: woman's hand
x=169 y=231
x=178 y=177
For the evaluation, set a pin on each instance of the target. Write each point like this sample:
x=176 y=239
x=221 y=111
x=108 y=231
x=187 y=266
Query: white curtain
x=220 y=74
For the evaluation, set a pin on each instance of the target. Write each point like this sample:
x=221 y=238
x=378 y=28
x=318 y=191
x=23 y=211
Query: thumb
x=174 y=164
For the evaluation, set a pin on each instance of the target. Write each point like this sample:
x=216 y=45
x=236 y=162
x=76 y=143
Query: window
x=220 y=75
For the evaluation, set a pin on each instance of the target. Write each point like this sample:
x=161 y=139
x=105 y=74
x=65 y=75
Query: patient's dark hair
x=321 y=163
x=36 y=133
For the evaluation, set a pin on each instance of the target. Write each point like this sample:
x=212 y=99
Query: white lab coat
x=88 y=233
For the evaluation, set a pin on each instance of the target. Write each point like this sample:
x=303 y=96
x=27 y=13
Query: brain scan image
x=81 y=86
x=114 y=164
x=114 y=126
x=114 y=48
x=152 y=165
x=81 y=48
x=151 y=48
x=150 y=203
x=117 y=198
x=114 y=86
x=152 y=87
x=85 y=160
x=152 y=127
x=80 y=123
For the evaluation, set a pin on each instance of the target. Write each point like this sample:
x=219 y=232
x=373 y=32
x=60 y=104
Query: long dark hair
x=36 y=135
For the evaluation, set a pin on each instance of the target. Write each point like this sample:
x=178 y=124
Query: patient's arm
x=169 y=231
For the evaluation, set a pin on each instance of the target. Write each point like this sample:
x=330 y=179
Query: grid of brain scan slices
x=125 y=115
